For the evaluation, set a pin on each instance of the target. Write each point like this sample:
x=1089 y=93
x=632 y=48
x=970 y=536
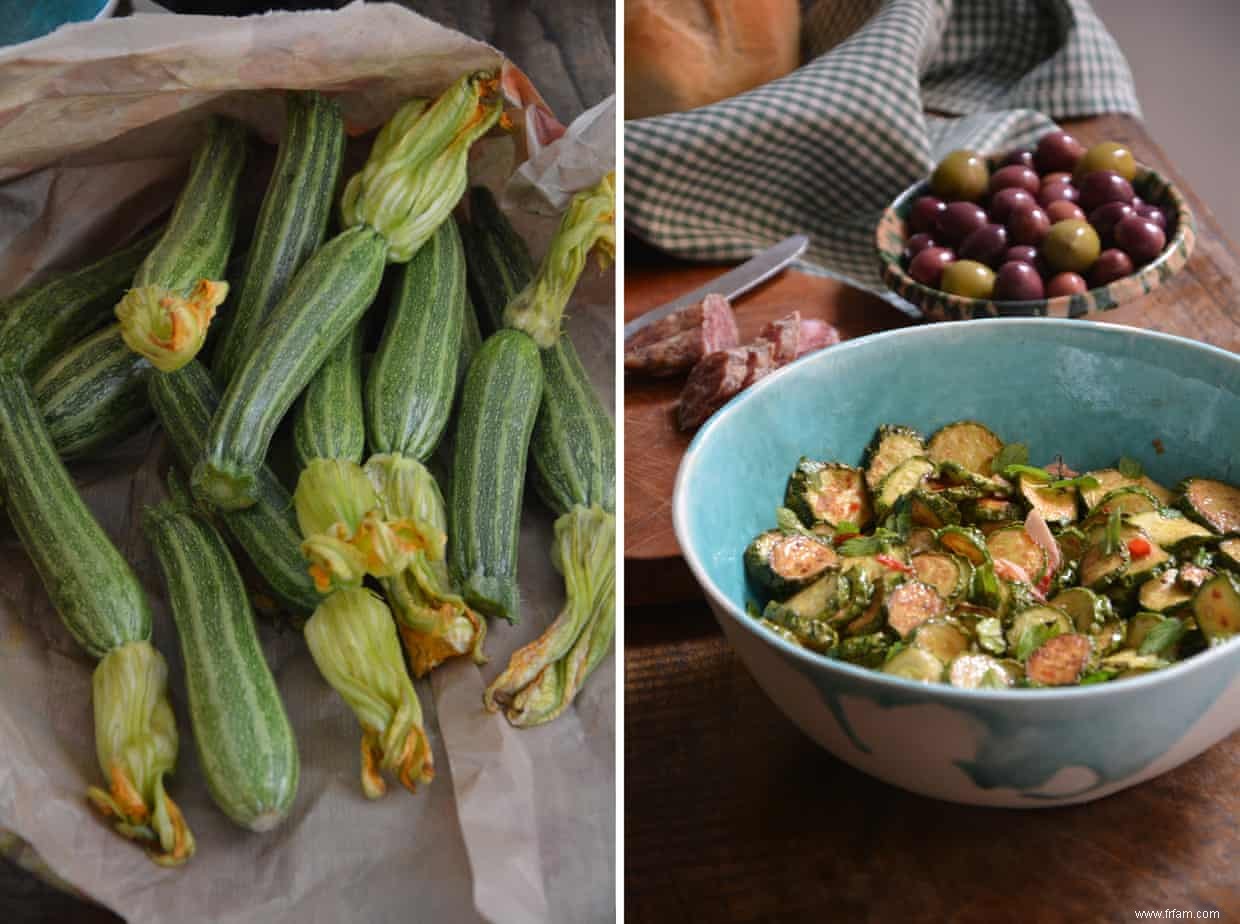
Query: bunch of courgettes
x=290 y=344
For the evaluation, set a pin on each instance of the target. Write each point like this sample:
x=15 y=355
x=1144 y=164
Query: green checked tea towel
x=826 y=148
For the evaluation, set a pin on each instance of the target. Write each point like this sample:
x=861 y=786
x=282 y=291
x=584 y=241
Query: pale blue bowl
x=1090 y=391
x=21 y=22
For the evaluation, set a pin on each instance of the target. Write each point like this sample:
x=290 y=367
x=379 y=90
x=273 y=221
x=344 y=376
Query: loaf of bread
x=682 y=54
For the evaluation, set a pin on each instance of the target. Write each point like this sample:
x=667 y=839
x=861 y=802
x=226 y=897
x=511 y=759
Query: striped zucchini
x=326 y=299
x=184 y=401
x=573 y=447
x=329 y=422
x=44 y=320
x=292 y=223
x=498 y=407
x=94 y=395
x=89 y=582
x=413 y=378
x=245 y=742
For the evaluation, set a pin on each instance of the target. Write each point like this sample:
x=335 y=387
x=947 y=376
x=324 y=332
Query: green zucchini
x=942 y=637
x=168 y=309
x=817 y=601
x=983 y=511
x=1169 y=529
x=413 y=377
x=498 y=408
x=89 y=582
x=966 y=443
x=44 y=320
x=1111 y=479
x=911 y=604
x=902 y=480
x=1131 y=498
x=966 y=542
x=1034 y=625
x=1059 y=661
x=932 y=510
x=325 y=300
x=292 y=222
x=1164 y=593
x=1213 y=503
x=94 y=394
x=1216 y=607
x=978 y=671
x=245 y=741
x=1057 y=505
x=915 y=664
x=892 y=445
x=185 y=401
x=782 y=563
x=1229 y=550
x=1014 y=544
x=1089 y=611
x=950 y=575
x=328 y=422
x=828 y=493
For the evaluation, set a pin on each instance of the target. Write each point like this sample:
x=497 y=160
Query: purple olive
x=1057 y=150
x=1103 y=186
x=1022 y=253
x=916 y=244
x=1021 y=157
x=1018 y=282
x=924 y=214
x=1028 y=225
x=1066 y=284
x=1014 y=175
x=1063 y=210
x=1055 y=191
x=958 y=221
x=1137 y=202
x=1105 y=217
x=927 y=267
x=1153 y=213
x=985 y=245
x=1140 y=238
x=1006 y=200
x=1111 y=264
x=1056 y=177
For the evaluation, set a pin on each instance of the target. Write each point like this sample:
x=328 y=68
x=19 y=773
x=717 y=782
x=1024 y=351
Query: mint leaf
x=1033 y=638
x=1162 y=638
x=1033 y=473
x=992 y=680
x=985 y=583
x=1010 y=454
x=1096 y=677
x=1084 y=482
x=788 y=521
x=846 y=527
x=895 y=650
x=861 y=545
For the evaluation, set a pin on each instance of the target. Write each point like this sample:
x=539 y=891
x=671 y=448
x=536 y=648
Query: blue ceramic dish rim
x=941 y=690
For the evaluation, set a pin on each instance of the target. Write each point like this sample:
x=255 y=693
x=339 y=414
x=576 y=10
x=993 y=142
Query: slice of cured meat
x=711 y=384
x=794 y=336
x=760 y=361
x=676 y=343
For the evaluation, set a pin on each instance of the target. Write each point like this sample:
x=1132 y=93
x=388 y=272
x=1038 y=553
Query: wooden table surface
x=732 y=814
x=568 y=49
x=1202 y=302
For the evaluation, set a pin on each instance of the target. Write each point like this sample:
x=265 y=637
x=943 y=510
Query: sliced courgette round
x=965 y=442
x=1214 y=503
x=782 y=563
x=932 y=510
x=942 y=637
x=1087 y=610
x=828 y=493
x=904 y=479
x=966 y=542
x=1108 y=637
x=1216 y=607
x=1100 y=566
x=974 y=671
x=1057 y=505
x=1164 y=593
x=1060 y=661
x=915 y=664
x=1014 y=544
x=1110 y=479
x=1229 y=552
x=1050 y=617
x=950 y=575
x=984 y=510
x=892 y=445
x=1170 y=529
x=910 y=604
x=1139 y=626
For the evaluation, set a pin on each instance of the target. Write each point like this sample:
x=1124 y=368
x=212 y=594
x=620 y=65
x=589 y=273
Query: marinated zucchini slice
x=1132 y=498
x=1036 y=624
x=892 y=445
x=1229 y=550
x=976 y=671
x=1108 y=637
x=966 y=542
x=986 y=510
x=1110 y=479
x=1214 y=503
x=910 y=604
x=815 y=634
x=970 y=484
x=1139 y=627
x=1216 y=607
x=1060 y=661
x=904 y=479
x=1057 y=505
x=866 y=650
x=828 y=493
x=786 y=634
x=1101 y=567
x=1072 y=544
x=817 y=601
x=1170 y=529
x=1146 y=557
x=871 y=618
x=1014 y=544
x=783 y=563
x=921 y=539
x=888 y=568
x=931 y=510
x=942 y=637
x=949 y=575
x=967 y=443
x=1087 y=610
x=915 y=664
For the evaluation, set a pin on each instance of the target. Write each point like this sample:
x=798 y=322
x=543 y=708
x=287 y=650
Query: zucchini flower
x=434 y=620
x=346 y=532
x=353 y=641
x=588 y=226
x=584 y=552
x=167 y=328
x=136 y=741
x=416 y=172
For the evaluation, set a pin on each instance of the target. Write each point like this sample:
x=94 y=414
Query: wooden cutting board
x=653 y=446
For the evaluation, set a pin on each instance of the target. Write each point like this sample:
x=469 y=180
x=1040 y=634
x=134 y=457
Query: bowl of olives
x=1055 y=230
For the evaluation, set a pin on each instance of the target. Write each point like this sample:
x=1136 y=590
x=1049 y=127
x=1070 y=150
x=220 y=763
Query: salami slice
x=676 y=343
x=760 y=361
x=713 y=381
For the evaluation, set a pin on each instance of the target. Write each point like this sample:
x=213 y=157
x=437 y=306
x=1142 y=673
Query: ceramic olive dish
x=1086 y=390
x=941 y=306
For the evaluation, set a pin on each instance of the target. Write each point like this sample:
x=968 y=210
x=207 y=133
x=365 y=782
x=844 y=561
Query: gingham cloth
x=825 y=149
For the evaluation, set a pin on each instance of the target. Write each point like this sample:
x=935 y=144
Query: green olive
x=968 y=278
x=1107 y=155
x=960 y=175
x=1072 y=246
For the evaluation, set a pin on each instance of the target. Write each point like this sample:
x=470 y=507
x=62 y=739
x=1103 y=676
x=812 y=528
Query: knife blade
x=732 y=284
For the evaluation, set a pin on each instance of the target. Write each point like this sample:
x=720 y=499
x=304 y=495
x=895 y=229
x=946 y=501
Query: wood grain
x=1201 y=302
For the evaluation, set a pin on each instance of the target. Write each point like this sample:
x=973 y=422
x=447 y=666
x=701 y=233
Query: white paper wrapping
x=96 y=122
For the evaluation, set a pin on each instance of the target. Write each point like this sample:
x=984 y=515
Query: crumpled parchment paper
x=96 y=123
